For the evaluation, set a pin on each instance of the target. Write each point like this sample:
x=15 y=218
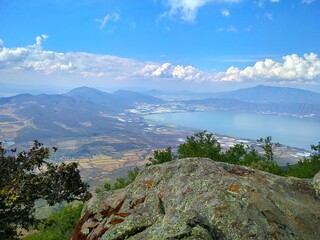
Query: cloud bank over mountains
x=35 y=62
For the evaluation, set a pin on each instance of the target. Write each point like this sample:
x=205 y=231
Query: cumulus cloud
x=40 y=38
x=36 y=60
x=292 y=68
x=187 y=9
x=274 y=1
x=178 y=72
x=33 y=61
x=114 y=17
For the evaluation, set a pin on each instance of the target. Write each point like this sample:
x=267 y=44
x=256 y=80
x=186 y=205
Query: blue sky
x=202 y=45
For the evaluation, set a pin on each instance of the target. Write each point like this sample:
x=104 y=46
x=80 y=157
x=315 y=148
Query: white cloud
x=25 y=64
x=274 y=1
x=40 y=38
x=293 y=68
x=187 y=9
x=178 y=72
x=225 y=12
x=34 y=59
x=308 y=1
x=107 y=18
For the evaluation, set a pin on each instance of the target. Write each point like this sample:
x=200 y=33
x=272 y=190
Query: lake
x=290 y=131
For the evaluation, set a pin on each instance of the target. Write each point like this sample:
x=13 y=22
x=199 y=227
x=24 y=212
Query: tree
x=201 y=144
x=306 y=167
x=161 y=156
x=26 y=177
x=235 y=154
x=268 y=146
x=59 y=225
x=121 y=182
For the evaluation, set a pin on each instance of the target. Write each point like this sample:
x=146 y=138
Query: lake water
x=290 y=131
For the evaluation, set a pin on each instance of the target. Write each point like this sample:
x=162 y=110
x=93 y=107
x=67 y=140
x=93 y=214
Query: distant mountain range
x=81 y=112
x=87 y=112
x=265 y=99
x=267 y=94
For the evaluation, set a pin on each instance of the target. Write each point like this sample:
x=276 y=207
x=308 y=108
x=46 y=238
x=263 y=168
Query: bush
x=121 y=182
x=202 y=144
x=59 y=225
x=161 y=156
x=306 y=167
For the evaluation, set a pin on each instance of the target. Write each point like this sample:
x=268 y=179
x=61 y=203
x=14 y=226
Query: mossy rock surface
x=197 y=198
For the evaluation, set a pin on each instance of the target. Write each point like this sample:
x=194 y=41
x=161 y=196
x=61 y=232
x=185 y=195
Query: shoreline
x=284 y=153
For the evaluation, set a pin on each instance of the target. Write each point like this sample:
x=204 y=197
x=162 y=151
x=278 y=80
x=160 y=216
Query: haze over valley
x=112 y=129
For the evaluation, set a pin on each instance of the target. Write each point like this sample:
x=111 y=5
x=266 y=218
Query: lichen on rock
x=316 y=184
x=197 y=198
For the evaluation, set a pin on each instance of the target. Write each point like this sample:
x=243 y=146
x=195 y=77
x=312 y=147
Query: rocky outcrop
x=198 y=198
x=316 y=183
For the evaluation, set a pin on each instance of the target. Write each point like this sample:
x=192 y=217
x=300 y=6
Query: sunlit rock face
x=197 y=198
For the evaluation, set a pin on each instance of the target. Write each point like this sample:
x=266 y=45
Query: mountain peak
x=84 y=90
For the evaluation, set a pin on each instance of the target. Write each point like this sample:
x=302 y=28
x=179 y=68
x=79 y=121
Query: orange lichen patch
x=161 y=193
x=115 y=221
x=149 y=183
x=234 y=188
x=122 y=214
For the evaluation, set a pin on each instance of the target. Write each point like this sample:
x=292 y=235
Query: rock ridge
x=198 y=198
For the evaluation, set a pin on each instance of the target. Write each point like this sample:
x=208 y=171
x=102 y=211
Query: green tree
x=161 y=156
x=59 y=225
x=235 y=154
x=26 y=177
x=306 y=167
x=202 y=144
x=121 y=182
x=268 y=146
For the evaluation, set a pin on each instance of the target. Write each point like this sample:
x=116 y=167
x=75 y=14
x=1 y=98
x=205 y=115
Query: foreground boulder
x=198 y=198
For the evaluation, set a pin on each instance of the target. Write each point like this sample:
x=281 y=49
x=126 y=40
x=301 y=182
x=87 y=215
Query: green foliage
x=268 y=147
x=251 y=157
x=161 y=156
x=267 y=166
x=202 y=144
x=59 y=225
x=121 y=182
x=235 y=154
x=26 y=177
x=306 y=167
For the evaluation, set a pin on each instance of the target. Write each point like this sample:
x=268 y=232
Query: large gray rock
x=316 y=183
x=198 y=198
